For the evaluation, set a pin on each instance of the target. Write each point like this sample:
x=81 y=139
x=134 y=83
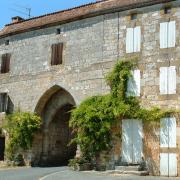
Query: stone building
x=49 y=64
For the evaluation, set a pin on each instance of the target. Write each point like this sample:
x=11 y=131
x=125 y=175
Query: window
x=167 y=34
x=57 y=53
x=133 y=16
x=7 y=42
x=167 y=10
x=133 y=39
x=3 y=102
x=58 y=31
x=168 y=132
x=168 y=164
x=5 y=63
x=168 y=80
x=6 y=105
x=133 y=87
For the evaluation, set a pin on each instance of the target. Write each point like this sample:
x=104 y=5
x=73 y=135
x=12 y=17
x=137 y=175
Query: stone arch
x=47 y=95
x=50 y=147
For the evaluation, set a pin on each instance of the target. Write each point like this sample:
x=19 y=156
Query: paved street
x=63 y=173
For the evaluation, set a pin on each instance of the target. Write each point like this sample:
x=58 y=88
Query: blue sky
x=10 y=8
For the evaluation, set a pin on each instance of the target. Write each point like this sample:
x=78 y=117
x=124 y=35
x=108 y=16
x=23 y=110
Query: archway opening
x=51 y=146
x=59 y=149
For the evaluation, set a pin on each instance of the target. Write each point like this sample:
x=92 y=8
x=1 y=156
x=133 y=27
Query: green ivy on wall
x=21 y=127
x=92 y=121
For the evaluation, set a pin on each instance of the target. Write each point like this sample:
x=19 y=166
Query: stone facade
x=91 y=48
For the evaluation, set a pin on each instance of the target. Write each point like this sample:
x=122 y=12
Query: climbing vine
x=92 y=121
x=20 y=126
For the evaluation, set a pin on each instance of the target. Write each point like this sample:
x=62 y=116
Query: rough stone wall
x=91 y=48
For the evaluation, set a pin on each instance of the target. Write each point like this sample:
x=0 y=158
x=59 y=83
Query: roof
x=76 y=13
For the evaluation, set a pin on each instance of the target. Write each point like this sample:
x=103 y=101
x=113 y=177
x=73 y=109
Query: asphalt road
x=63 y=173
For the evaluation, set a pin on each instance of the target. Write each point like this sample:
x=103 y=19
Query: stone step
x=137 y=173
x=127 y=168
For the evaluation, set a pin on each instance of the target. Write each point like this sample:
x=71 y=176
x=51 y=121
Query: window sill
x=168 y=149
x=167 y=50
x=168 y=97
x=5 y=73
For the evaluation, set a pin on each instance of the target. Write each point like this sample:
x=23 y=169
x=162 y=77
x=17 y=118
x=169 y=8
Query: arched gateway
x=50 y=146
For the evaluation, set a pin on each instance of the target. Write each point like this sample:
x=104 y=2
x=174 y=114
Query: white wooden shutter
x=171 y=34
x=172 y=80
x=172 y=132
x=137 y=135
x=168 y=164
x=137 y=39
x=172 y=164
x=137 y=79
x=127 y=147
x=164 y=35
x=164 y=134
x=163 y=80
x=130 y=86
x=134 y=86
x=129 y=40
x=164 y=164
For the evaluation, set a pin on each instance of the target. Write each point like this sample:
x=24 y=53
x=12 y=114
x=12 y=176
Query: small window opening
x=56 y=54
x=58 y=31
x=5 y=63
x=7 y=42
x=134 y=16
x=167 y=10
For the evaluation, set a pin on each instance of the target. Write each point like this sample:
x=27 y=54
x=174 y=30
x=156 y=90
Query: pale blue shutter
x=164 y=133
x=163 y=80
x=164 y=169
x=171 y=34
x=172 y=80
x=168 y=164
x=172 y=164
x=137 y=39
x=134 y=86
x=130 y=85
x=172 y=132
x=164 y=35
x=137 y=79
x=129 y=40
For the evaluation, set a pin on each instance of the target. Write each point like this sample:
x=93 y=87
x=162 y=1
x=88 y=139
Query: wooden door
x=131 y=141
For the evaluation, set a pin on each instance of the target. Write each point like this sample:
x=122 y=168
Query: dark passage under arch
x=51 y=146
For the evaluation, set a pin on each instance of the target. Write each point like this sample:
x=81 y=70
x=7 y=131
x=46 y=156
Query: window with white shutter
x=133 y=39
x=168 y=132
x=134 y=86
x=167 y=34
x=168 y=80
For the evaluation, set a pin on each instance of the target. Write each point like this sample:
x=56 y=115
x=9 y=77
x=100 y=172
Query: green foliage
x=92 y=121
x=21 y=127
x=74 y=162
x=118 y=78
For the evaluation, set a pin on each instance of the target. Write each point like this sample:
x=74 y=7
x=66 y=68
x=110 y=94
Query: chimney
x=17 y=19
